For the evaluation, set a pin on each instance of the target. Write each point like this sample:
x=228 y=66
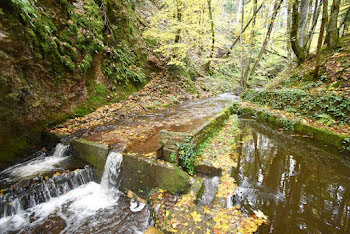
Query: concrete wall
x=141 y=175
x=169 y=140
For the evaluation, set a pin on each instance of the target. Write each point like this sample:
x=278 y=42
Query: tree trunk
x=212 y=35
x=239 y=5
x=316 y=14
x=267 y=37
x=303 y=15
x=320 y=38
x=343 y=24
x=243 y=83
x=332 y=37
x=288 y=44
x=251 y=45
x=179 y=18
x=299 y=51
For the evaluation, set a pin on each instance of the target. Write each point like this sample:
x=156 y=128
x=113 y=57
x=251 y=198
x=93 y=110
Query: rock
x=208 y=170
x=94 y=153
x=197 y=188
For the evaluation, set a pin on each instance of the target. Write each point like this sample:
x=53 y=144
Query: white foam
x=136 y=206
x=38 y=166
x=76 y=205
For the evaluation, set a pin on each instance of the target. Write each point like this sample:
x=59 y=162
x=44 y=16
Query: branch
x=245 y=27
x=276 y=53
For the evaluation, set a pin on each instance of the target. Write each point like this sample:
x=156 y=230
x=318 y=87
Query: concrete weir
x=139 y=173
x=169 y=140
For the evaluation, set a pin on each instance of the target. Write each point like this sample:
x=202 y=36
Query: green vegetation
x=295 y=124
x=322 y=106
x=121 y=69
x=187 y=156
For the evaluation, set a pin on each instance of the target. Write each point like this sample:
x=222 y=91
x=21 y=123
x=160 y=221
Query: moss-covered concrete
x=197 y=188
x=208 y=128
x=169 y=140
x=141 y=175
x=325 y=136
x=94 y=153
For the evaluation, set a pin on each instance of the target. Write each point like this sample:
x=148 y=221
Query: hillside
x=63 y=59
x=296 y=95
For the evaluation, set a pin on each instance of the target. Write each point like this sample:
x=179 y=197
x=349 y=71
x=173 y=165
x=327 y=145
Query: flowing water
x=301 y=185
x=68 y=202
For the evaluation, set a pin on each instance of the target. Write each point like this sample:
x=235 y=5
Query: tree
x=332 y=36
x=315 y=16
x=276 y=8
x=245 y=27
x=289 y=46
x=346 y=18
x=182 y=27
x=297 y=32
x=212 y=35
x=243 y=83
x=252 y=37
x=178 y=18
x=320 y=38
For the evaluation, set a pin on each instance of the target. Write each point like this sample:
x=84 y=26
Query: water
x=301 y=185
x=36 y=166
x=184 y=117
x=80 y=205
x=211 y=186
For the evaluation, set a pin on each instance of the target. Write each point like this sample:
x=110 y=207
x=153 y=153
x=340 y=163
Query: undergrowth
x=324 y=107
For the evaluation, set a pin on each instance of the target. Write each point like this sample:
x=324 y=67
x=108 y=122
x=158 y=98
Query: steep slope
x=322 y=103
x=65 y=58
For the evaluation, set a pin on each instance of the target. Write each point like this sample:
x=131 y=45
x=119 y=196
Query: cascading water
x=20 y=197
x=35 y=166
x=110 y=179
x=74 y=203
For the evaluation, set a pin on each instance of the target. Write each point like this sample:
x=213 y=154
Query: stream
x=301 y=186
x=68 y=201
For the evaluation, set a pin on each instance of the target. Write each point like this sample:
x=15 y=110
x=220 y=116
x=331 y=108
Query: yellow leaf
x=196 y=217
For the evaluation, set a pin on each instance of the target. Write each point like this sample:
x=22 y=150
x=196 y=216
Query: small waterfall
x=36 y=166
x=27 y=194
x=111 y=175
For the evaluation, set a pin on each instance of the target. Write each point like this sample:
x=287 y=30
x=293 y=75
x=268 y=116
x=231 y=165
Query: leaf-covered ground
x=334 y=73
x=183 y=215
x=137 y=119
x=159 y=92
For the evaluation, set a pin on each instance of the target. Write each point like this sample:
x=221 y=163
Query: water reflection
x=301 y=186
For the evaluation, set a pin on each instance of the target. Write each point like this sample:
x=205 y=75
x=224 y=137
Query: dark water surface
x=302 y=186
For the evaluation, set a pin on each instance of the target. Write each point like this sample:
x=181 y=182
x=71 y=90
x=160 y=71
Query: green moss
x=314 y=106
x=322 y=135
x=121 y=69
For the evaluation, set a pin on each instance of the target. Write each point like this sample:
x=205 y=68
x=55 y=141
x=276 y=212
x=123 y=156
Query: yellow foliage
x=193 y=27
x=196 y=217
